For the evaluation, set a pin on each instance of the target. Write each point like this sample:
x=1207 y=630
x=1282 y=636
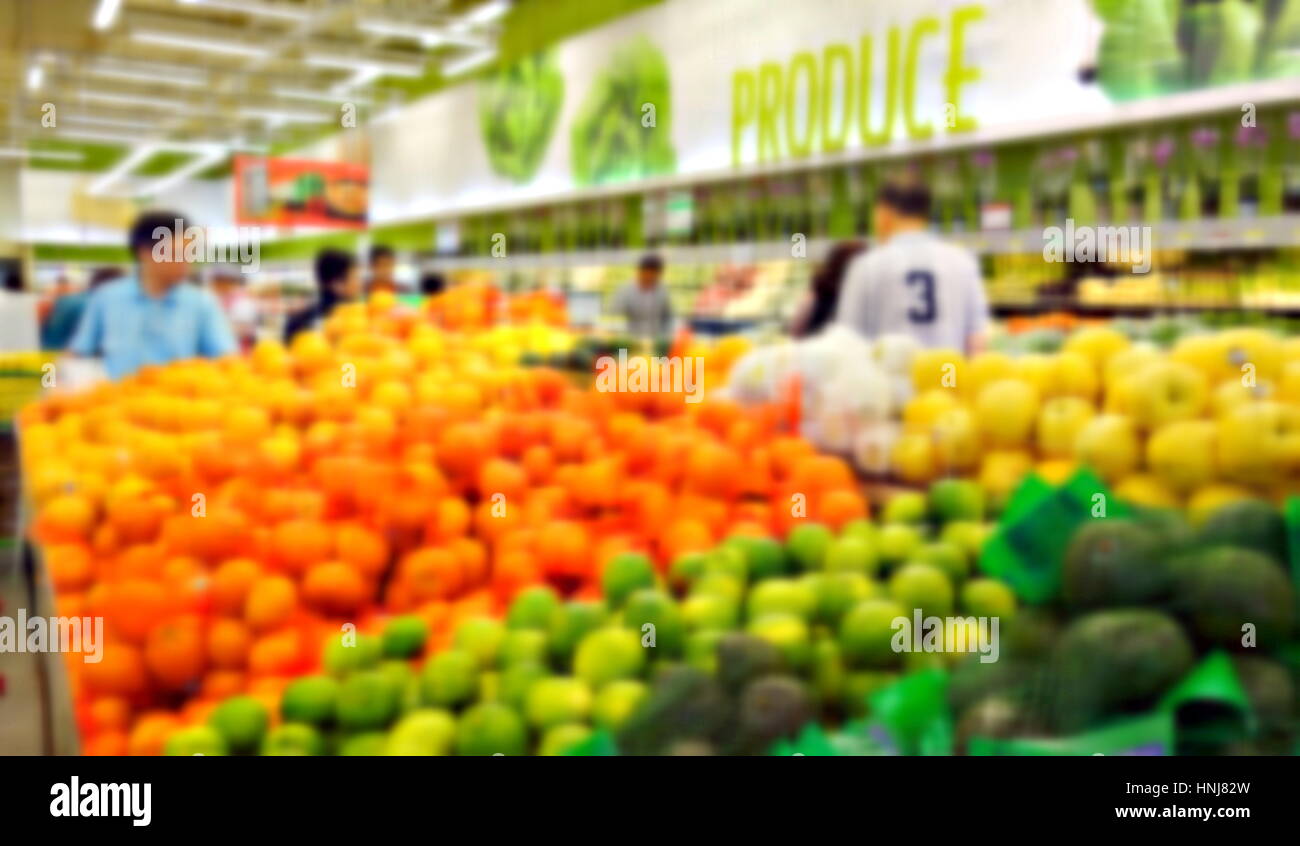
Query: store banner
x=298 y=192
x=691 y=87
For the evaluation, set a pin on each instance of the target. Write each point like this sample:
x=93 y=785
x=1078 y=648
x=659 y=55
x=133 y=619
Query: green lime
x=657 y=621
x=859 y=688
x=898 y=541
x=807 y=544
x=310 y=699
x=905 y=507
x=368 y=701
x=851 y=555
x=557 y=700
x=957 y=499
x=922 y=586
x=515 y=681
x=523 y=645
x=710 y=611
x=988 y=598
x=781 y=596
x=837 y=592
x=702 y=649
x=241 y=720
x=726 y=561
x=532 y=608
x=685 y=569
x=569 y=624
x=718 y=584
x=606 y=655
x=625 y=573
x=404 y=637
x=356 y=652
x=561 y=739
x=788 y=633
x=371 y=744
x=196 y=740
x=428 y=731
x=616 y=702
x=482 y=638
x=490 y=729
x=949 y=558
x=867 y=631
x=449 y=678
x=764 y=557
x=293 y=739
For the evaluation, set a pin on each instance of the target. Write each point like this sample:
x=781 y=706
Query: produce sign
x=297 y=192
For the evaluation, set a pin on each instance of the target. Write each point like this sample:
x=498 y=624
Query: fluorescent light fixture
x=35 y=76
x=468 y=62
x=121 y=123
x=20 y=153
x=160 y=75
x=97 y=135
x=148 y=102
x=213 y=155
x=354 y=63
x=128 y=163
x=426 y=35
x=286 y=115
x=199 y=42
x=320 y=96
x=486 y=13
x=281 y=11
x=106 y=13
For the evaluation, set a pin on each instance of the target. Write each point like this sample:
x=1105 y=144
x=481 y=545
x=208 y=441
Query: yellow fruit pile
x=1213 y=419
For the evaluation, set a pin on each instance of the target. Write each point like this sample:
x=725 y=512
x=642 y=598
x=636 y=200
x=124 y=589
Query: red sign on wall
x=298 y=192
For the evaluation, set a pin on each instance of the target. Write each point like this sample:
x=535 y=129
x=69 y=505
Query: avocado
x=684 y=704
x=1272 y=695
x=1222 y=590
x=743 y=658
x=771 y=708
x=1250 y=523
x=1111 y=563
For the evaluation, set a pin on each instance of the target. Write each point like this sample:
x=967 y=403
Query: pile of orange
x=225 y=517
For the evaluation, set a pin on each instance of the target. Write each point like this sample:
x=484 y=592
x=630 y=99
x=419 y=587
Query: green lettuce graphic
x=517 y=110
x=611 y=141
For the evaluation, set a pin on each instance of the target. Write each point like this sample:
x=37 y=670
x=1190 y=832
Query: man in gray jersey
x=644 y=303
x=912 y=282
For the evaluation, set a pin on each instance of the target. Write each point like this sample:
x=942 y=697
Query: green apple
x=716 y=584
x=949 y=558
x=570 y=623
x=685 y=569
x=625 y=573
x=242 y=721
x=196 y=740
x=956 y=499
x=557 y=700
x=310 y=699
x=616 y=702
x=292 y=739
x=1059 y=424
x=860 y=528
x=726 y=561
x=481 y=637
x=898 y=541
x=966 y=535
x=427 y=731
x=532 y=608
x=851 y=555
x=368 y=701
x=905 y=507
x=781 y=596
x=988 y=598
x=867 y=631
x=359 y=652
x=609 y=654
x=523 y=645
x=710 y=611
x=764 y=557
x=489 y=729
x=449 y=678
x=922 y=586
x=516 y=679
x=657 y=622
x=838 y=592
x=807 y=544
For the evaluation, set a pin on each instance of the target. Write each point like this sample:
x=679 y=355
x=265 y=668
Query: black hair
x=827 y=282
x=908 y=197
x=147 y=223
x=432 y=283
x=651 y=261
x=380 y=251
x=331 y=266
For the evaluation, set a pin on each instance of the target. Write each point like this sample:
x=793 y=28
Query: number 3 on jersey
x=923 y=310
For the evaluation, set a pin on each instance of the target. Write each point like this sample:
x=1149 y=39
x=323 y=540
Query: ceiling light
x=468 y=62
x=281 y=11
x=286 y=115
x=199 y=42
x=426 y=35
x=161 y=75
x=106 y=13
x=486 y=13
x=97 y=135
x=35 y=76
x=319 y=96
x=96 y=120
x=20 y=153
x=353 y=63
x=148 y=102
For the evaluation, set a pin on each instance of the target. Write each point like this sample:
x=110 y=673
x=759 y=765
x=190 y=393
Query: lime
x=532 y=608
x=837 y=592
x=625 y=573
x=897 y=541
x=781 y=596
x=828 y=672
x=559 y=740
x=860 y=528
x=609 y=654
x=360 y=652
x=516 y=679
x=922 y=586
x=369 y=744
x=702 y=649
x=523 y=645
x=788 y=633
x=867 y=631
x=570 y=623
x=685 y=569
x=293 y=739
x=657 y=622
x=710 y=611
x=807 y=544
x=764 y=557
x=851 y=555
x=241 y=720
x=988 y=598
x=945 y=556
x=728 y=587
x=905 y=507
x=404 y=637
x=966 y=535
x=726 y=561
x=196 y=740
x=428 y=731
x=482 y=638
x=310 y=699
x=449 y=678
x=490 y=729
x=616 y=702
x=367 y=701
x=860 y=686
x=557 y=700
x=957 y=499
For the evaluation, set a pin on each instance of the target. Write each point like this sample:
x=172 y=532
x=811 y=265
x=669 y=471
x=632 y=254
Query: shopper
x=383 y=269
x=644 y=303
x=337 y=281
x=66 y=311
x=914 y=283
x=818 y=307
x=151 y=317
x=239 y=306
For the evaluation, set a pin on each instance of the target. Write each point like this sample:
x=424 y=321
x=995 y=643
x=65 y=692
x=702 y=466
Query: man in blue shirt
x=152 y=317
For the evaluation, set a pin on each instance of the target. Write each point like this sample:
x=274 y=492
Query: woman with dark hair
x=338 y=280
x=818 y=308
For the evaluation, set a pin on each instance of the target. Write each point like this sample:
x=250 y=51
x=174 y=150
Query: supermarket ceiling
x=176 y=86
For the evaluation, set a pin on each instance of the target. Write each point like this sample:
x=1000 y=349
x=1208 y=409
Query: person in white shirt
x=912 y=282
x=644 y=304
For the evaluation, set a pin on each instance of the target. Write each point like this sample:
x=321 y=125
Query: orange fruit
x=119 y=672
x=837 y=507
x=499 y=476
x=539 y=464
x=136 y=519
x=175 y=654
x=274 y=654
x=514 y=570
x=563 y=548
x=473 y=558
x=299 y=544
x=66 y=518
x=231 y=583
x=223 y=684
x=228 y=644
x=109 y=713
x=683 y=535
x=149 y=734
x=816 y=473
x=334 y=588
x=69 y=565
x=132 y=607
x=109 y=743
x=365 y=550
x=432 y=573
x=270 y=603
x=215 y=535
x=451 y=520
x=714 y=470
